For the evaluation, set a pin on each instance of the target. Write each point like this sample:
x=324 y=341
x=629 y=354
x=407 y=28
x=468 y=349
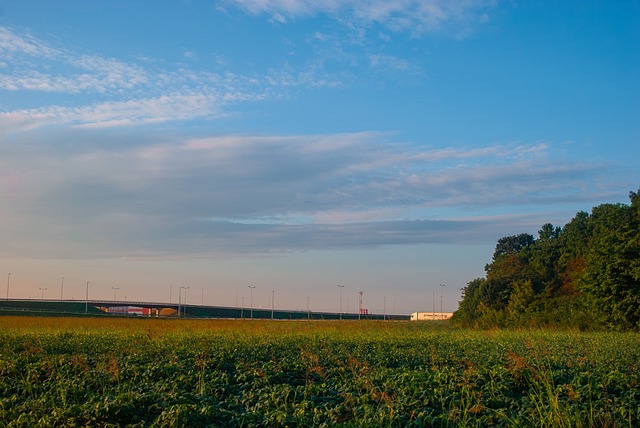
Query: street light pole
x=340 y=287
x=441 y=313
x=273 y=299
x=61 y=287
x=184 y=311
x=114 y=292
x=179 y=299
x=86 y=299
x=251 y=287
x=8 y=276
x=42 y=289
x=184 y=306
x=434 y=304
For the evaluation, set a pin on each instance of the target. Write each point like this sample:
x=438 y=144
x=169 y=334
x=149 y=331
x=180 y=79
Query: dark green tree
x=522 y=308
x=468 y=312
x=611 y=278
x=501 y=274
x=512 y=244
x=547 y=231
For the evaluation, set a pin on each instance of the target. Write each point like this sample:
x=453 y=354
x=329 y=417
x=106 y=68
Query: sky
x=296 y=145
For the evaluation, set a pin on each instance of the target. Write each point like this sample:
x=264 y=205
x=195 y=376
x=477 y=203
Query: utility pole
x=273 y=298
x=360 y=304
x=43 y=290
x=115 y=289
x=8 y=276
x=61 y=287
x=340 y=287
x=86 y=299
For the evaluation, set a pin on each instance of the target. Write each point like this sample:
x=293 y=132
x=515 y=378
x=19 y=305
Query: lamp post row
x=182 y=306
x=251 y=287
x=43 y=289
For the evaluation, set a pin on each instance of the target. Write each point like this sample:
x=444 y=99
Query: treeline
x=584 y=275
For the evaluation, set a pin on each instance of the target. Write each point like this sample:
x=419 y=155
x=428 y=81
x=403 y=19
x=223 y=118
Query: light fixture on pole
x=115 y=289
x=251 y=287
x=42 y=290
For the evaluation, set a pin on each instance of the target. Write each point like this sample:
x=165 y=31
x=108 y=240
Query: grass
x=153 y=372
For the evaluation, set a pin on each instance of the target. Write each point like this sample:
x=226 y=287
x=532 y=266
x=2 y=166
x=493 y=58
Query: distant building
x=431 y=316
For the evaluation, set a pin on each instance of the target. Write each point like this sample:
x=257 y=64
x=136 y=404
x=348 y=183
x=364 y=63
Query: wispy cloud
x=111 y=92
x=412 y=16
x=35 y=65
x=395 y=65
x=169 y=107
x=12 y=44
x=366 y=34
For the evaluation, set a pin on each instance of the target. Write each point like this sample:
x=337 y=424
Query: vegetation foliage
x=101 y=372
x=585 y=275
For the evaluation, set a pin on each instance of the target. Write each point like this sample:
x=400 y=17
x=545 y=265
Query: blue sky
x=293 y=145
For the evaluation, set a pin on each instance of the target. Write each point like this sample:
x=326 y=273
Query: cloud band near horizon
x=199 y=197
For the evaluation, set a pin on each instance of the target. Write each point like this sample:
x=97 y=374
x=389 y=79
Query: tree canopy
x=585 y=275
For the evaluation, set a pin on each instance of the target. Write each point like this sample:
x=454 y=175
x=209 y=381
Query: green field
x=57 y=372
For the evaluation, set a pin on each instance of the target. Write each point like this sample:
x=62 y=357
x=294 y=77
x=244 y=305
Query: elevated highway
x=170 y=310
